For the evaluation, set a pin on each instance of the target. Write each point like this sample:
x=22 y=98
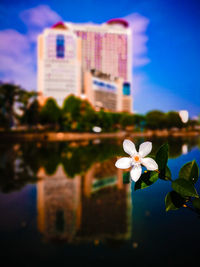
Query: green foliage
x=162 y=156
x=88 y=117
x=147 y=178
x=77 y=115
x=139 y=122
x=155 y=119
x=161 y=159
x=116 y=117
x=173 y=120
x=10 y=99
x=127 y=120
x=184 y=187
x=72 y=106
x=50 y=112
x=104 y=120
x=31 y=115
x=173 y=201
x=138 y=119
x=190 y=171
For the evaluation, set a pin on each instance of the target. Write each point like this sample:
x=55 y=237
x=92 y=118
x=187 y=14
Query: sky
x=166 y=41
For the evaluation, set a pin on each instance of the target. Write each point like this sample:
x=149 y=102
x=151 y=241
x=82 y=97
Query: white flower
x=136 y=159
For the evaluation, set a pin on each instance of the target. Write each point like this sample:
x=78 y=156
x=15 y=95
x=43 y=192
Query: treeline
x=75 y=160
x=20 y=107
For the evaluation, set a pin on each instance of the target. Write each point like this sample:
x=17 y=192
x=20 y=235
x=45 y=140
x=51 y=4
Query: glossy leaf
x=162 y=156
x=190 y=171
x=173 y=201
x=165 y=174
x=184 y=188
x=126 y=177
x=147 y=178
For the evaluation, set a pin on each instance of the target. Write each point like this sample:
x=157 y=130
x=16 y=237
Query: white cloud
x=16 y=59
x=18 y=51
x=40 y=16
x=138 y=25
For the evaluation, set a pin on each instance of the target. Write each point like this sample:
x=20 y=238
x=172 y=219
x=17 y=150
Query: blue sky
x=166 y=58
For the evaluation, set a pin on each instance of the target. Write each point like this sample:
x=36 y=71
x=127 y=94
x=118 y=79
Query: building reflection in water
x=93 y=207
x=59 y=205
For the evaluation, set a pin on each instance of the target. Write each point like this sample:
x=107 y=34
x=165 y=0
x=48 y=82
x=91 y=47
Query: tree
x=50 y=113
x=139 y=120
x=31 y=115
x=127 y=120
x=8 y=97
x=71 y=113
x=104 y=120
x=155 y=119
x=72 y=106
x=88 y=119
x=12 y=99
x=173 y=120
x=27 y=101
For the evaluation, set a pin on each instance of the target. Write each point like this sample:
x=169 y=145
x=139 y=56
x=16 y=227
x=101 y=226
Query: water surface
x=64 y=201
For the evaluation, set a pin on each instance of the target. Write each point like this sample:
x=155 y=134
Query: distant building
x=107 y=93
x=59 y=64
x=68 y=52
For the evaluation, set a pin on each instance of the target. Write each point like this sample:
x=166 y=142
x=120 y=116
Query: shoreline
x=68 y=136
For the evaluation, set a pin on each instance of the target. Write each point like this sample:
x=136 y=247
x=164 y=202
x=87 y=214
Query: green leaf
x=147 y=178
x=126 y=177
x=168 y=175
x=162 y=156
x=165 y=174
x=196 y=203
x=161 y=159
x=184 y=188
x=189 y=171
x=173 y=201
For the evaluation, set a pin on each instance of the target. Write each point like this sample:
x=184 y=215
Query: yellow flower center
x=136 y=158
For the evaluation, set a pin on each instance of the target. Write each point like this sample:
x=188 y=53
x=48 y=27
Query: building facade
x=68 y=51
x=59 y=64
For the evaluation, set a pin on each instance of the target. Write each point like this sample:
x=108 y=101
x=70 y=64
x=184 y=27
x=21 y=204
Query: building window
x=60 y=46
x=126 y=89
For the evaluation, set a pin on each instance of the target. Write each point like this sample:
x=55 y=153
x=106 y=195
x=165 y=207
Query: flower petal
x=136 y=172
x=123 y=163
x=145 y=148
x=150 y=164
x=129 y=147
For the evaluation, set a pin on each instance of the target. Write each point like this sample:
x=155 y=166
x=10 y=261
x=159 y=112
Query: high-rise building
x=106 y=47
x=103 y=49
x=59 y=63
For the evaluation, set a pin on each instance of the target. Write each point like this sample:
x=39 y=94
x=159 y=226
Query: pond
x=63 y=202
